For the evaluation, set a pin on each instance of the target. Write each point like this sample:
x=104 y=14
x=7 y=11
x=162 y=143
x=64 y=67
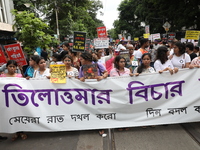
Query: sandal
x=23 y=136
x=101 y=132
x=120 y=129
x=15 y=136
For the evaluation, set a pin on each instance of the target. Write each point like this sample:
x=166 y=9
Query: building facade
x=6 y=22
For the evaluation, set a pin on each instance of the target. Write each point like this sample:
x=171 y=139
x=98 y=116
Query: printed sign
x=192 y=34
x=136 y=39
x=79 y=41
x=147 y=29
x=87 y=45
x=101 y=32
x=2 y=57
x=171 y=36
x=126 y=55
x=58 y=73
x=15 y=52
x=101 y=43
x=155 y=36
x=146 y=36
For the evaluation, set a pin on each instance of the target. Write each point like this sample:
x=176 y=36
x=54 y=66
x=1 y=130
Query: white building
x=6 y=21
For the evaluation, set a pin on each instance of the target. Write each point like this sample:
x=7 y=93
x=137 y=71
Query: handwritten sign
x=15 y=52
x=79 y=41
x=192 y=35
x=58 y=73
x=101 y=42
x=2 y=57
x=101 y=32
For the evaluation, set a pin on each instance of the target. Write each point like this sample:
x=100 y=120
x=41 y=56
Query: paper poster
x=192 y=34
x=79 y=41
x=90 y=71
x=2 y=57
x=15 y=52
x=58 y=73
x=126 y=55
x=101 y=43
x=136 y=39
x=101 y=32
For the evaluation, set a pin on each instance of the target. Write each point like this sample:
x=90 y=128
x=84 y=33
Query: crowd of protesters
x=145 y=57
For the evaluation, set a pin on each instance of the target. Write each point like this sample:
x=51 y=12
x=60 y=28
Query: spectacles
x=122 y=61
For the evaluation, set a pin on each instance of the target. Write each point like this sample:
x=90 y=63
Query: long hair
x=141 y=67
x=117 y=59
x=162 y=54
x=181 y=47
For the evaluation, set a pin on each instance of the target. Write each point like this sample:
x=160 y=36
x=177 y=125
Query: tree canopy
x=181 y=15
x=73 y=15
x=31 y=30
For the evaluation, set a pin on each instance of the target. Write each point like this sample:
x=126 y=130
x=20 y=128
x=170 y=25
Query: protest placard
x=125 y=54
x=101 y=42
x=101 y=32
x=15 y=52
x=58 y=73
x=79 y=41
x=192 y=34
x=2 y=57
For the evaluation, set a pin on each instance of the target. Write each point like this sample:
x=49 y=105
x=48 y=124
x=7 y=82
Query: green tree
x=31 y=31
x=180 y=14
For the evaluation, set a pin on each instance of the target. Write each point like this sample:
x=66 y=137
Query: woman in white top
x=162 y=62
x=70 y=71
x=42 y=71
x=144 y=67
x=180 y=59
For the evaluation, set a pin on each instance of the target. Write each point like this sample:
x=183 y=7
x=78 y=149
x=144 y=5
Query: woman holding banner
x=180 y=58
x=32 y=66
x=162 y=62
x=12 y=66
x=90 y=69
x=70 y=71
x=120 y=69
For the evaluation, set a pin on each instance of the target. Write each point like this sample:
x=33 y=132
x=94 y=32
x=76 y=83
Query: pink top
x=109 y=64
x=196 y=61
x=17 y=75
x=115 y=72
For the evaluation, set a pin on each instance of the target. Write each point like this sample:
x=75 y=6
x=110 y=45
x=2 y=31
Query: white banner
x=101 y=42
x=151 y=99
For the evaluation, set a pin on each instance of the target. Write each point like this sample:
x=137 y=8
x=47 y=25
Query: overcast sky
x=110 y=12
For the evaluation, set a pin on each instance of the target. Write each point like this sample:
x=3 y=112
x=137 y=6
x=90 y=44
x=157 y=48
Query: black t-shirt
x=192 y=56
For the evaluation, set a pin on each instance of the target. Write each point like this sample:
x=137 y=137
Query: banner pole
x=110 y=138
